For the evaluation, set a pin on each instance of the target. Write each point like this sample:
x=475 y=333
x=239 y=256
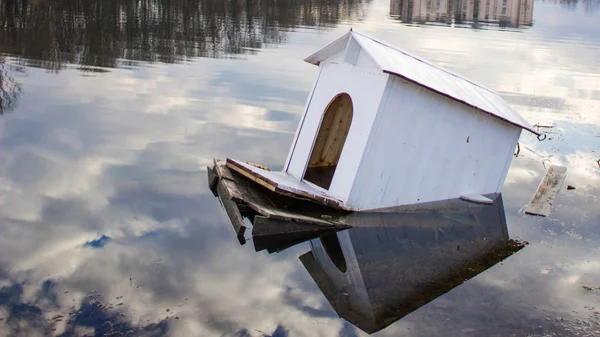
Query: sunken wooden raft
x=546 y=192
x=283 y=190
x=222 y=183
x=269 y=213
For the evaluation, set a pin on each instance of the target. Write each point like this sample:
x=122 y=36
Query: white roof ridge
x=424 y=61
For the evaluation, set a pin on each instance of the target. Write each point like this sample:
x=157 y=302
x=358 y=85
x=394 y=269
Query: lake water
x=111 y=110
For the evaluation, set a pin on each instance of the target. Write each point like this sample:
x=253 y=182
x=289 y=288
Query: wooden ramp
x=284 y=184
x=269 y=212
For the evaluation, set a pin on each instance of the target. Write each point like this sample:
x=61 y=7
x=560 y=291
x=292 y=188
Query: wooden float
x=270 y=210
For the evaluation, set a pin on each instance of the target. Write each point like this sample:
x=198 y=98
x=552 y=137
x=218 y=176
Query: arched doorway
x=330 y=141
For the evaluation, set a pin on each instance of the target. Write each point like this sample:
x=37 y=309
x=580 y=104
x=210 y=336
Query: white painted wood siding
x=306 y=105
x=418 y=151
x=365 y=87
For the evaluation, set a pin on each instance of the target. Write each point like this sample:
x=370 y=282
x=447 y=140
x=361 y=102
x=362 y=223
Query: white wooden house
x=383 y=128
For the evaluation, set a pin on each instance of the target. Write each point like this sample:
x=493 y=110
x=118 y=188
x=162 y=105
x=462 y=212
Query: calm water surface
x=111 y=110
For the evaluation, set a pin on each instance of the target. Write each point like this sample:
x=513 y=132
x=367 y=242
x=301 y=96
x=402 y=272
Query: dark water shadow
x=392 y=263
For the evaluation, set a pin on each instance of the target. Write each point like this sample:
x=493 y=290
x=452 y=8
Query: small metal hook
x=518 y=150
x=540 y=135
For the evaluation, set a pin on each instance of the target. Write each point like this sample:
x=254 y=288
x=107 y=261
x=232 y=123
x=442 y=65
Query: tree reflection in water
x=101 y=32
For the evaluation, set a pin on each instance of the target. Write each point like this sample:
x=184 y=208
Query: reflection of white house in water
x=505 y=13
x=393 y=263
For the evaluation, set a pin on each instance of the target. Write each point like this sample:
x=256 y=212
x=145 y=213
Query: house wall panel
x=366 y=87
x=418 y=150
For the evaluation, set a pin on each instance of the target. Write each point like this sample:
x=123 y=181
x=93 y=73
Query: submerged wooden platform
x=269 y=209
x=280 y=219
x=283 y=184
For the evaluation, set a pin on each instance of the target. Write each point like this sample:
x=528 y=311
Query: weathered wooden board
x=242 y=190
x=284 y=184
x=546 y=193
x=233 y=191
x=241 y=198
x=264 y=226
x=237 y=221
x=213 y=179
x=282 y=214
x=222 y=171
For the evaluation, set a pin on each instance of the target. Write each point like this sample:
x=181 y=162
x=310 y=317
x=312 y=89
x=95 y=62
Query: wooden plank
x=212 y=177
x=287 y=186
x=264 y=226
x=245 y=190
x=221 y=170
x=232 y=190
x=546 y=193
x=246 y=172
x=237 y=221
x=280 y=214
x=237 y=188
x=242 y=197
x=242 y=190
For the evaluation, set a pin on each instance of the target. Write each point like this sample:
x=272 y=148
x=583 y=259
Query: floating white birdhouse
x=383 y=128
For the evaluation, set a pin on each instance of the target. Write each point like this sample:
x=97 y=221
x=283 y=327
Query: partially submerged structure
x=387 y=147
x=383 y=128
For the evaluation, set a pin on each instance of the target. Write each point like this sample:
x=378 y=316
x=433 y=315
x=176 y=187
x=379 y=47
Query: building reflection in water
x=97 y=33
x=504 y=13
x=390 y=264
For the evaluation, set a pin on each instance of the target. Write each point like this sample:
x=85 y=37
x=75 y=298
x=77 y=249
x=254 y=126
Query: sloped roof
x=394 y=61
